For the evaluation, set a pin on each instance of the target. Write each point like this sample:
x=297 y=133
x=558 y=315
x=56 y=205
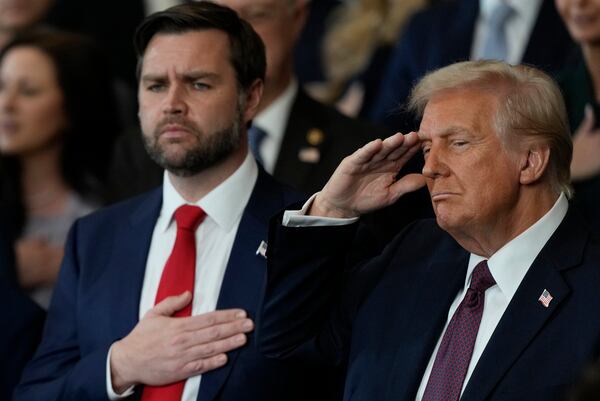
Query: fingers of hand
x=408 y=183
x=215 y=318
x=172 y=304
x=411 y=143
x=390 y=145
x=210 y=349
x=366 y=153
x=216 y=332
x=200 y=366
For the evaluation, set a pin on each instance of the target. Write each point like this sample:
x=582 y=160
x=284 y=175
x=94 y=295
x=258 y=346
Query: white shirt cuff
x=298 y=218
x=109 y=387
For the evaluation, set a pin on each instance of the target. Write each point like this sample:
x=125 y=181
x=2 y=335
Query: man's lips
x=441 y=195
x=171 y=131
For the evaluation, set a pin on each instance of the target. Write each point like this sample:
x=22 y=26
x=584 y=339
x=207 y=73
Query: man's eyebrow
x=188 y=76
x=453 y=130
x=448 y=131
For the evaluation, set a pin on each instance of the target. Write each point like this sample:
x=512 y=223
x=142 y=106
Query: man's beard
x=210 y=148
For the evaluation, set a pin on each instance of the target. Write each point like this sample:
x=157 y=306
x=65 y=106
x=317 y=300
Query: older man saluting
x=495 y=300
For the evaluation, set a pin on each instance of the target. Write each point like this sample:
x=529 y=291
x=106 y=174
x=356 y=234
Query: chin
x=446 y=221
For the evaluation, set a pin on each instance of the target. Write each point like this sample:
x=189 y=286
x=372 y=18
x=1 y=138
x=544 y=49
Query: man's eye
x=459 y=143
x=155 y=87
x=201 y=86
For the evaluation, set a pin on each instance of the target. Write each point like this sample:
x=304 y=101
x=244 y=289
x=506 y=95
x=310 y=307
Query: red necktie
x=178 y=277
x=454 y=355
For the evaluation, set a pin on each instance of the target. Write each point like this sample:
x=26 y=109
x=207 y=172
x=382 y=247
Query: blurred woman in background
x=356 y=48
x=57 y=126
x=580 y=85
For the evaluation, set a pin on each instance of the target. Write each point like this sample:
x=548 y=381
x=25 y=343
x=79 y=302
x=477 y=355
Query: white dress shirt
x=508 y=266
x=518 y=27
x=273 y=120
x=224 y=207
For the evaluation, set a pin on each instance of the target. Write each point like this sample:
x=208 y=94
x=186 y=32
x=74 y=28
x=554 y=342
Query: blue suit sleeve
x=312 y=293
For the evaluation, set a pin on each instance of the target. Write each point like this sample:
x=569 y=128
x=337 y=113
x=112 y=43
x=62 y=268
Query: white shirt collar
x=224 y=204
x=274 y=118
x=510 y=263
x=527 y=10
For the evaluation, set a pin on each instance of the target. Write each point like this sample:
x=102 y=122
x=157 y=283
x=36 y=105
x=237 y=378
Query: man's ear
x=534 y=163
x=253 y=98
x=301 y=10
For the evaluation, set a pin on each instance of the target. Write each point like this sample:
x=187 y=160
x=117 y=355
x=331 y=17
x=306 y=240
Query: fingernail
x=247 y=324
x=240 y=314
x=240 y=339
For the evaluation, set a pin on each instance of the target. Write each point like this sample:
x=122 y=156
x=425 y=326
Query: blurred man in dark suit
x=514 y=31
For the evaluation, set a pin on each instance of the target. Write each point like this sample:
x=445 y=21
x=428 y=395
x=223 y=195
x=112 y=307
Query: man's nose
x=434 y=164
x=175 y=102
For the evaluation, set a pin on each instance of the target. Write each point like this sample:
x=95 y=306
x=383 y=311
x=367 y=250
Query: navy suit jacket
x=96 y=302
x=386 y=318
x=442 y=35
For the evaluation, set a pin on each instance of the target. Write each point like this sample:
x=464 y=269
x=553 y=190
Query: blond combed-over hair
x=530 y=107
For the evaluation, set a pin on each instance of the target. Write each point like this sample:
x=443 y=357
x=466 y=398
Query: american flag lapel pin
x=545 y=298
x=262 y=249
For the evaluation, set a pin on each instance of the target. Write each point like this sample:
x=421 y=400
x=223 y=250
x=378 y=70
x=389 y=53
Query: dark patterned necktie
x=454 y=355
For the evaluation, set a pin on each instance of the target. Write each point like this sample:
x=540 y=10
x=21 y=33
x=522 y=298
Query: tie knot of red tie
x=188 y=217
x=481 y=279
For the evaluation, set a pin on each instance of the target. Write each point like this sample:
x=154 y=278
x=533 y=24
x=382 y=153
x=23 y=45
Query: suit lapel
x=245 y=273
x=525 y=315
x=304 y=143
x=128 y=262
x=443 y=278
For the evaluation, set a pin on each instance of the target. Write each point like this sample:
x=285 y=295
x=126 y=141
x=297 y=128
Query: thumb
x=587 y=125
x=172 y=304
x=408 y=183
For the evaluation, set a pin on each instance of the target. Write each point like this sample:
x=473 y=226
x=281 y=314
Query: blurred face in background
x=32 y=116
x=279 y=24
x=582 y=18
x=20 y=14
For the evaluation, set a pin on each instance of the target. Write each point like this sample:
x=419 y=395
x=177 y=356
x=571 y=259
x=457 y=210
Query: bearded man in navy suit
x=497 y=299
x=110 y=333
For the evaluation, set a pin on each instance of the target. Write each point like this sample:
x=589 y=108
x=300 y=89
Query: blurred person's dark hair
x=246 y=48
x=89 y=104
